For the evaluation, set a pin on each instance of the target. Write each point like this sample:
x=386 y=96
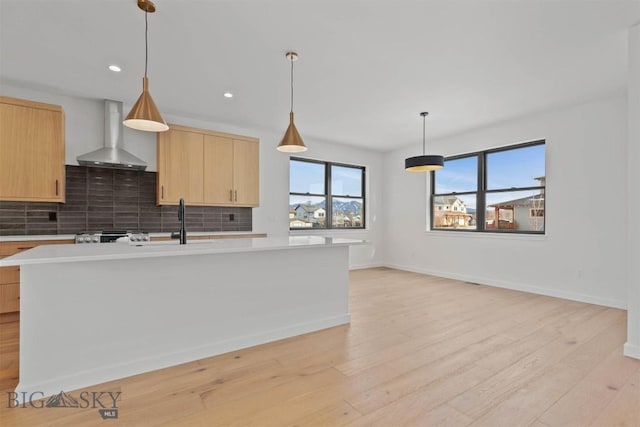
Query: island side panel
x=84 y=323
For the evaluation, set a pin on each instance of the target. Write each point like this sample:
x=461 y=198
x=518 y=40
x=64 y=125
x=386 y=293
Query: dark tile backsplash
x=101 y=199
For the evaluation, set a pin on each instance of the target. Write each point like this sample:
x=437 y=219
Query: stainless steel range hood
x=112 y=155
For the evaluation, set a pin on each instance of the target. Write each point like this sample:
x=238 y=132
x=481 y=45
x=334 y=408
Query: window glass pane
x=307 y=212
x=520 y=167
x=306 y=177
x=346 y=181
x=454 y=212
x=515 y=211
x=458 y=176
x=346 y=212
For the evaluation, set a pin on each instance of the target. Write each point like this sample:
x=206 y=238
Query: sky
x=308 y=177
x=505 y=169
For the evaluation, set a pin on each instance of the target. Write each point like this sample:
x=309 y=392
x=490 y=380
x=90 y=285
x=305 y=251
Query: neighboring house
x=451 y=203
x=451 y=212
x=341 y=220
x=308 y=213
x=526 y=213
x=300 y=223
x=305 y=211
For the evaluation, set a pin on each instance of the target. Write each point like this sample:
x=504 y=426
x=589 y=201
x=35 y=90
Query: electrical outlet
x=53 y=216
x=232 y=217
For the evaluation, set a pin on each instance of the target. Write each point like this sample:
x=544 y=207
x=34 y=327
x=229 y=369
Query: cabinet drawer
x=12 y=248
x=9 y=275
x=9 y=298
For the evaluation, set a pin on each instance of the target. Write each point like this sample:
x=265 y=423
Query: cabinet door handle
x=57 y=187
x=236 y=194
x=162 y=192
x=231 y=195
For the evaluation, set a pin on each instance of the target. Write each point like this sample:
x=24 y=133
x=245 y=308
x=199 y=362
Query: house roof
x=448 y=200
x=300 y=220
x=308 y=208
x=523 y=201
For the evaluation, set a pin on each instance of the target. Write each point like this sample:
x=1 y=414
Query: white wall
x=582 y=257
x=84 y=133
x=632 y=347
x=583 y=254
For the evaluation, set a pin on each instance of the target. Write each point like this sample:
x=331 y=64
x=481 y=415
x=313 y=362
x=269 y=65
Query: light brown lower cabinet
x=10 y=276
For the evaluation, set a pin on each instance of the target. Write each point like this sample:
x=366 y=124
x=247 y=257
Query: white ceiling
x=366 y=68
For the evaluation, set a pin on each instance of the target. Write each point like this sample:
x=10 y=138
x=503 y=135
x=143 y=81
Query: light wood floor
x=420 y=351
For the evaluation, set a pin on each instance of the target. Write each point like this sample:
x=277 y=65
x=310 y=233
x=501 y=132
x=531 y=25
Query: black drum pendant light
x=424 y=163
x=145 y=115
x=291 y=141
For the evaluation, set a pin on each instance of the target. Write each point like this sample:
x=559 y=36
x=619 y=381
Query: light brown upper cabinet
x=180 y=167
x=207 y=168
x=31 y=151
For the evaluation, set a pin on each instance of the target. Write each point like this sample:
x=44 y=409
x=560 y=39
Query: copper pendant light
x=291 y=141
x=145 y=114
x=423 y=163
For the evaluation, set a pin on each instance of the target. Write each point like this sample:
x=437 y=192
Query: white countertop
x=21 y=238
x=26 y=238
x=46 y=254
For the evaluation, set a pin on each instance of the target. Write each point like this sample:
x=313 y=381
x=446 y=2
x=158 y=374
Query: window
x=325 y=195
x=536 y=213
x=499 y=190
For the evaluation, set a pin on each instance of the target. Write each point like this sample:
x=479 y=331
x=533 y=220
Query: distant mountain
x=344 y=207
x=61 y=400
x=338 y=206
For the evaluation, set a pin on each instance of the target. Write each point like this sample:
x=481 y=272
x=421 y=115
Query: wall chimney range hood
x=112 y=155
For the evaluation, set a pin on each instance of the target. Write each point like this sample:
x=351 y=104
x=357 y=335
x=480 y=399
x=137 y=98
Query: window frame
x=328 y=196
x=482 y=191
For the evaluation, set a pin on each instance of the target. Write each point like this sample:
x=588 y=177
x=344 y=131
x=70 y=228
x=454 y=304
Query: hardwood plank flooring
x=420 y=351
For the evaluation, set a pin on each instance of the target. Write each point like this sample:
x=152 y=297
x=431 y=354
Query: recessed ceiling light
x=228 y=95
x=115 y=68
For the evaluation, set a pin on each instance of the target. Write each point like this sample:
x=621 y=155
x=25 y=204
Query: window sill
x=485 y=235
x=328 y=231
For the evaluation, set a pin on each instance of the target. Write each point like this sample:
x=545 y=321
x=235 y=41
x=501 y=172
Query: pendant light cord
x=146 y=42
x=423 y=137
x=292 y=83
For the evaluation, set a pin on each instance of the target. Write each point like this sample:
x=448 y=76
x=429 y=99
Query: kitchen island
x=95 y=313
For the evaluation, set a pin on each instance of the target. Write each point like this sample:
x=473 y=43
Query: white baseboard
x=574 y=296
x=363 y=266
x=134 y=367
x=632 y=350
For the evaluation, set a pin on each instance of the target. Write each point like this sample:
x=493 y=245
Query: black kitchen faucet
x=183 y=231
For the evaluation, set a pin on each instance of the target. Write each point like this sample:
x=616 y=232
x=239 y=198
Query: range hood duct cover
x=112 y=155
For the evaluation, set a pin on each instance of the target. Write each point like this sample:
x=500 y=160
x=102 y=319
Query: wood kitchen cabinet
x=224 y=168
x=31 y=151
x=231 y=175
x=10 y=276
x=180 y=167
x=246 y=173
